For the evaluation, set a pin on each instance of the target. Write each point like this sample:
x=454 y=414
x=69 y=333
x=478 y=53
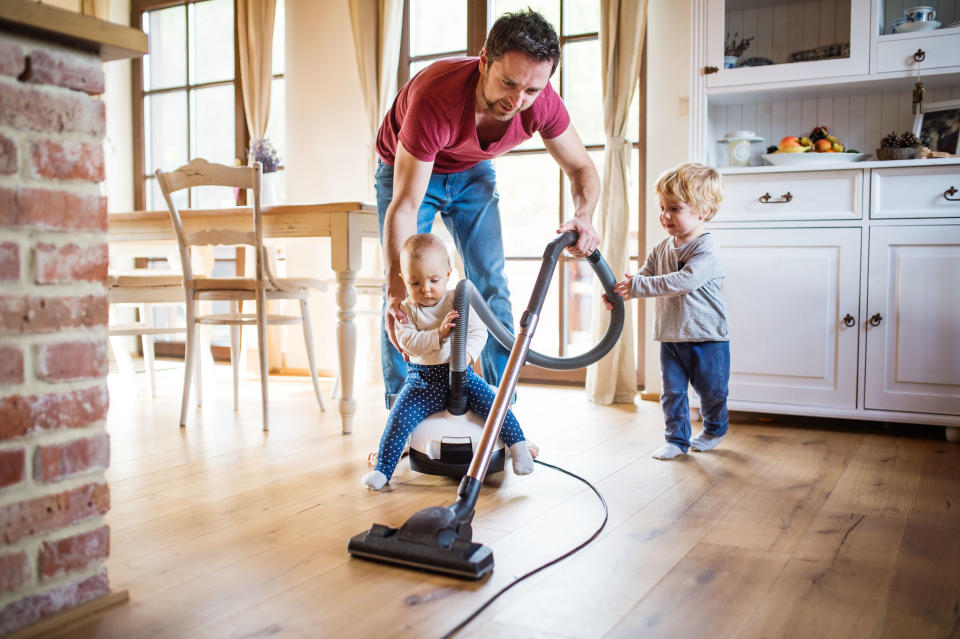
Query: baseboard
x=649 y=397
x=68 y=617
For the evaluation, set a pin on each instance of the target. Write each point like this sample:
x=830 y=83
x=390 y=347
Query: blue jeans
x=468 y=203
x=704 y=365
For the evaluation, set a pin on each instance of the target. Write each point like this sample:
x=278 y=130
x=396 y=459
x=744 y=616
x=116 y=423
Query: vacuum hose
x=466 y=295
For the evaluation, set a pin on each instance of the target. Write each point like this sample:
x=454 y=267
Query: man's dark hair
x=526 y=31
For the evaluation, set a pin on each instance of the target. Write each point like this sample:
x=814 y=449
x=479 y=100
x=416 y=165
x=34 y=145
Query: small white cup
x=920 y=14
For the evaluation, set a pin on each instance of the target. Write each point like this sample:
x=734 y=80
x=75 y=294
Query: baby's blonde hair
x=697 y=185
x=418 y=246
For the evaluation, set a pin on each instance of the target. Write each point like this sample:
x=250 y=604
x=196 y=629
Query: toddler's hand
x=449 y=321
x=621 y=288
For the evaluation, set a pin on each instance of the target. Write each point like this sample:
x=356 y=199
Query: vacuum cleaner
x=440 y=538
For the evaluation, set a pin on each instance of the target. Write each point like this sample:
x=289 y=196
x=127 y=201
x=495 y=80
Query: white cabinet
x=913 y=320
x=793 y=296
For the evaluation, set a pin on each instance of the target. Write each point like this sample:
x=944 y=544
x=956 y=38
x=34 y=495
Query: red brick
x=50 y=512
x=30 y=108
x=70 y=263
x=33 y=314
x=66 y=555
x=52 y=210
x=61 y=461
x=64 y=70
x=11 y=364
x=72 y=361
x=34 y=608
x=67 y=160
x=20 y=416
x=8 y=156
x=9 y=261
x=14 y=571
x=12 y=60
x=12 y=464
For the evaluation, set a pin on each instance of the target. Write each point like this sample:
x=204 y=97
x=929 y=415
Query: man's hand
x=393 y=314
x=588 y=239
x=449 y=321
x=621 y=288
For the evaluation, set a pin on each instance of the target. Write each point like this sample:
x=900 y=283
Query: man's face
x=511 y=84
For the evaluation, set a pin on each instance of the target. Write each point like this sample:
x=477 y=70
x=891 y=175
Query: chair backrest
x=199 y=172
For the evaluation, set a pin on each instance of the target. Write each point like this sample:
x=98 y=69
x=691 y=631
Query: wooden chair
x=262 y=287
x=143 y=288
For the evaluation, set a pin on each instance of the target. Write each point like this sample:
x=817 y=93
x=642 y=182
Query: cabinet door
x=913 y=320
x=788 y=291
x=784 y=31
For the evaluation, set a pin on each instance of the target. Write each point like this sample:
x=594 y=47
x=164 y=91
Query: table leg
x=347 y=344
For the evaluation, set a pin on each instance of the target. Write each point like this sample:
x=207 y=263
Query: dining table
x=345 y=223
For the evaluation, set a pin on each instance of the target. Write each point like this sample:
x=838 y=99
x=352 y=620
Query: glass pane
x=277 y=124
x=212 y=124
x=904 y=16
x=529 y=201
x=581 y=72
x=211 y=41
x=165 y=116
x=521 y=277
x=155 y=201
x=579 y=300
x=549 y=9
x=279 y=39
x=420 y=65
x=213 y=197
x=633 y=197
x=166 y=64
x=581 y=16
x=437 y=26
x=762 y=32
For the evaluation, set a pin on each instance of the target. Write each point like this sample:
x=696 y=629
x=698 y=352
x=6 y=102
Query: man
x=435 y=147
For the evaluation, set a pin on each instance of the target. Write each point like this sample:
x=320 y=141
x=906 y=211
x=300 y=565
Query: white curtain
x=255 y=20
x=377 y=26
x=623 y=24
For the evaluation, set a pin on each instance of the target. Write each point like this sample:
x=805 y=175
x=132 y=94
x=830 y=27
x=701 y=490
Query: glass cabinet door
x=907 y=16
x=763 y=41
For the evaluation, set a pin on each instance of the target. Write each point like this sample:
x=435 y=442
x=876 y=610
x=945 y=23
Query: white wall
x=668 y=127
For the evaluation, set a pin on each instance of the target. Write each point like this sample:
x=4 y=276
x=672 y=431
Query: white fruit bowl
x=812 y=157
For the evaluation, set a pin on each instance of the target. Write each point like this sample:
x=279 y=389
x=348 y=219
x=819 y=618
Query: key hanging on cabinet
x=918 y=90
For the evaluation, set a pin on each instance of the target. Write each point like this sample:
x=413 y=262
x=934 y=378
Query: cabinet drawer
x=803 y=195
x=897 y=55
x=915 y=192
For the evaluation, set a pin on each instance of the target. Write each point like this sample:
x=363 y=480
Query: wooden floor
x=790 y=529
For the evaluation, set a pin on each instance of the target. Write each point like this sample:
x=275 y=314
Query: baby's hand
x=447 y=324
x=621 y=288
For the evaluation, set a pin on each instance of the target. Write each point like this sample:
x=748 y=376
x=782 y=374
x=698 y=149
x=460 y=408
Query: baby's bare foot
x=372 y=460
x=534 y=449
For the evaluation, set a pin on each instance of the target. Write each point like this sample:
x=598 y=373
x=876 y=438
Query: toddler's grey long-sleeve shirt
x=686 y=282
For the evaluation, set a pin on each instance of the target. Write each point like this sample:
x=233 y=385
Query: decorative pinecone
x=908 y=139
x=891 y=141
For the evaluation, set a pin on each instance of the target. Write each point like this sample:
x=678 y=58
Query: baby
x=424 y=337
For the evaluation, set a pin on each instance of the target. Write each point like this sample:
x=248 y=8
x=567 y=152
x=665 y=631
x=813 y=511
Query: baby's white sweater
x=420 y=338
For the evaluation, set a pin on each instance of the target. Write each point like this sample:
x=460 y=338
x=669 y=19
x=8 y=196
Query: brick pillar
x=54 y=448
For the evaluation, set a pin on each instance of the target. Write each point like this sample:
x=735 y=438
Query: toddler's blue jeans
x=705 y=366
x=469 y=205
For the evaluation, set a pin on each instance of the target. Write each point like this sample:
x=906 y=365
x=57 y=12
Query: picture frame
x=938 y=127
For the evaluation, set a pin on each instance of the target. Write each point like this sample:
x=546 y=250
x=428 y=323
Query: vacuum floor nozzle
x=432 y=540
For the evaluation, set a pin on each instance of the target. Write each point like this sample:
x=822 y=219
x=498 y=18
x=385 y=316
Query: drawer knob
x=848 y=320
x=949 y=192
x=766 y=198
x=875 y=319
x=920 y=55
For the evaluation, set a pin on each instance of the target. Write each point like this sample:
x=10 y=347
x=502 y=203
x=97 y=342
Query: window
x=534 y=193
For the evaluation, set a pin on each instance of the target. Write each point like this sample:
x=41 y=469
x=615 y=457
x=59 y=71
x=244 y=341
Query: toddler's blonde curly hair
x=697 y=185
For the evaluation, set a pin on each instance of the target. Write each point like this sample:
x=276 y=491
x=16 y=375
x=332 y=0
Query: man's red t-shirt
x=433 y=116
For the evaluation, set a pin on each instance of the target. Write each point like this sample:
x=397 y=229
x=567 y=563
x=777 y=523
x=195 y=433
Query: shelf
x=840 y=166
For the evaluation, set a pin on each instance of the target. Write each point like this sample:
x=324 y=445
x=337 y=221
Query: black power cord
x=606 y=512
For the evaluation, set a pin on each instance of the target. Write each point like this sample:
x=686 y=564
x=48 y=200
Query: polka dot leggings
x=423 y=393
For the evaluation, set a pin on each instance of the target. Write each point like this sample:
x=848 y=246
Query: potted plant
x=733 y=49
x=898 y=147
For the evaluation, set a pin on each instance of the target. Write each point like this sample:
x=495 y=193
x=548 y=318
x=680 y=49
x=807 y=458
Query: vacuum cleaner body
x=444 y=443
x=439 y=539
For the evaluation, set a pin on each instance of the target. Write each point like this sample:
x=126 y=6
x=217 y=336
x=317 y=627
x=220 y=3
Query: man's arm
x=410 y=180
x=570 y=154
